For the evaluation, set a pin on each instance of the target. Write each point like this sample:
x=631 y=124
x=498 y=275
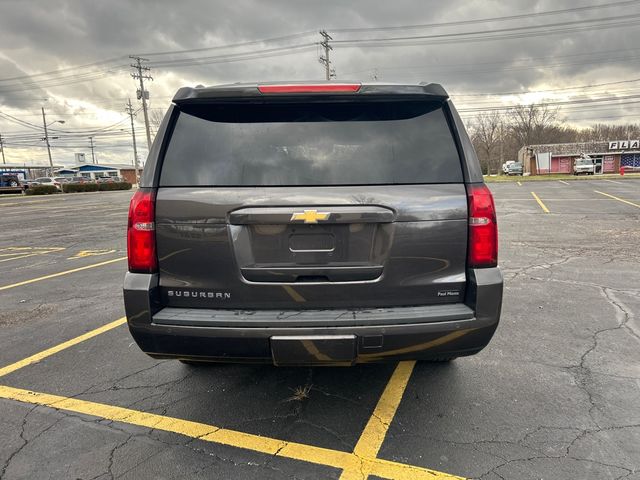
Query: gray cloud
x=44 y=35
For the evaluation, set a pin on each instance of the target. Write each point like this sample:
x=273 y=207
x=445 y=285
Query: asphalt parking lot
x=556 y=395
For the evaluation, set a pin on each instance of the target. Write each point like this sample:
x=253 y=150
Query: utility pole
x=46 y=139
x=131 y=113
x=142 y=93
x=501 y=143
x=326 y=60
x=93 y=156
x=2 y=148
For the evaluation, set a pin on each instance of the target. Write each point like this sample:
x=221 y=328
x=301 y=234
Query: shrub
x=41 y=190
x=114 y=186
x=79 y=187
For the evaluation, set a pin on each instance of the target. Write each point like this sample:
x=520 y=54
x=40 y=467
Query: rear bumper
x=307 y=337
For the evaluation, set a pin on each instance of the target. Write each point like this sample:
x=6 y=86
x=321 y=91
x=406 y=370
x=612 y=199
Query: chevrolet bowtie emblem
x=310 y=216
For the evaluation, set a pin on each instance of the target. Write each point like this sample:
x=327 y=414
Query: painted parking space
x=358 y=463
x=9 y=254
x=552 y=396
x=576 y=198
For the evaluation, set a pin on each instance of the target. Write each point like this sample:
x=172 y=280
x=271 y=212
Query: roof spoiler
x=292 y=90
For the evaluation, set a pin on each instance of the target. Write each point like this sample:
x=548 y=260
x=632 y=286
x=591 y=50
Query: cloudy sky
x=71 y=57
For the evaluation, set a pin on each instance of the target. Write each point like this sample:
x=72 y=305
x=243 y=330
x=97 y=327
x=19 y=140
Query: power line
x=229 y=46
x=487 y=20
x=62 y=70
x=576 y=87
x=234 y=57
x=494 y=34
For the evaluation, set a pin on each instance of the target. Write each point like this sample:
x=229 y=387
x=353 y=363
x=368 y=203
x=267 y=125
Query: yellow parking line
x=542 y=205
x=69 y=343
x=26 y=202
x=619 y=199
x=355 y=462
x=376 y=430
x=211 y=433
x=24 y=255
x=562 y=181
x=16 y=253
x=519 y=184
x=59 y=274
x=25 y=249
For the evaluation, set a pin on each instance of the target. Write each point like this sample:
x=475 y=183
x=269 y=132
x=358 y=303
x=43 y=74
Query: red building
x=608 y=156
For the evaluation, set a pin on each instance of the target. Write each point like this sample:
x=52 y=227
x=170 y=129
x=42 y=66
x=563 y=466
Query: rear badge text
x=199 y=294
x=449 y=293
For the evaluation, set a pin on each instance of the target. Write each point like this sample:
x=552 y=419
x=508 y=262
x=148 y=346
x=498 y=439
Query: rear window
x=347 y=143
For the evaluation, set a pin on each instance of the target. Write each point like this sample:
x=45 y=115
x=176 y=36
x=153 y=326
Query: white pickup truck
x=584 y=165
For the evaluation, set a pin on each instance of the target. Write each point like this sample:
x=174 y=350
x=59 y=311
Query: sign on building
x=624 y=145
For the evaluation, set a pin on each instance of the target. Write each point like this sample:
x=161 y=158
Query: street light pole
x=46 y=138
x=2 y=148
x=93 y=156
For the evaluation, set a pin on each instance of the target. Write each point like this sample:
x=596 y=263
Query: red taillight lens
x=483 y=228
x=310 y=88
x=141 y=233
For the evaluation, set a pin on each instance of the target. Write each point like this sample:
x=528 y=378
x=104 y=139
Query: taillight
x=483 y=228
x=310 y=88
x=141 y=233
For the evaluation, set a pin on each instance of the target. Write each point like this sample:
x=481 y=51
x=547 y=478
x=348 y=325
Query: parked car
x=48 y=181
x=303 y=224
x=62 y=180
x=505 y=166
x=10 y=183
x=515 y=168
x=584 y=165
x=81 y=180
x=108 y=179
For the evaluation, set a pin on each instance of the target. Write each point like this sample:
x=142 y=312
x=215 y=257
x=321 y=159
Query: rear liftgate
x=306 y=245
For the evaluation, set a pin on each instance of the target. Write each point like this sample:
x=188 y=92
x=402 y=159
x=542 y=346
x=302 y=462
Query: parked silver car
x=48 y=181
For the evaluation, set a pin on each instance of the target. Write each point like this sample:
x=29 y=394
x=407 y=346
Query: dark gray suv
x=312 y=224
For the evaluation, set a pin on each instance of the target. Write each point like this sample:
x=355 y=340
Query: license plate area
x=313 y=350
x=312 y=242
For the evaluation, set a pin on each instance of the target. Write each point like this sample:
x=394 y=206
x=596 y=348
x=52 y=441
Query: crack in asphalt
x=24 y=442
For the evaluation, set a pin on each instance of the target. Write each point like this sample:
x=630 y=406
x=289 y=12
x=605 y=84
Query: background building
x=93 y=171
x=608 y=156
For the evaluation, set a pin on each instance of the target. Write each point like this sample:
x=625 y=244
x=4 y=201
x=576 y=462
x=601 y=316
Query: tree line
x=497 y=137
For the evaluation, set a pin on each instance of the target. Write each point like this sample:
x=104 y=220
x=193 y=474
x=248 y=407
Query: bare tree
x=155 y=119
x=531 y=124
x=487 y=134
x=602 y=132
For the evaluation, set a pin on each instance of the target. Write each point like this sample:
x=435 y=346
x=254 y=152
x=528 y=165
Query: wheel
x=13 y=183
